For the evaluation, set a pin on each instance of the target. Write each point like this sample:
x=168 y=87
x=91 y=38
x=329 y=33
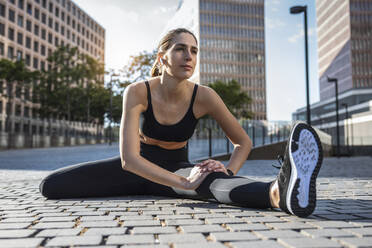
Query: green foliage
x=235 y=99
x=139 y=66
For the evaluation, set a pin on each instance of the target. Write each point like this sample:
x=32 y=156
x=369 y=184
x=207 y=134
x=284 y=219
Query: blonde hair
x=165 y=44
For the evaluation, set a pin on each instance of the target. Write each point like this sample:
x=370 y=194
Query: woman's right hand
x=195 y=178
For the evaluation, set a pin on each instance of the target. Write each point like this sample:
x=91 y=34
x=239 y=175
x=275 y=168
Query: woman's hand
x=211 y=165
x=195 y=178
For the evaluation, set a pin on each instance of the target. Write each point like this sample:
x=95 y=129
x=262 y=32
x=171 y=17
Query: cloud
x=294 y=38
x=274 y=23
x=162 y=10
x=274 y=9
x=134 y=16
x=276 y=2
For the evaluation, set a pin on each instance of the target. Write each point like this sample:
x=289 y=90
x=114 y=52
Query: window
x=36 y=63
x=36 y=46
x=73 y=24
x=51 y=7
x=20 y=21
x=50 y=38
x=57 y=12
x=73 y=37
x=10 y=52
x=63 y=30
x=1 y=48
x=11 y=34
x=43 y=34
x=36 y=29
x=42 y=50
x=42 y=65
x=44 y=3
x=78 y=27
x=11 y=15
x=69 y=6
x=28 y=59
x=50 y=22
x=2 y=10
x=43 y=18
x=68 y=20
x=19 y=55
x=12 y=1
x=56 y=26
x=29 y=9
x=20 y=38
x=68 y=34
x=20 y=4
x=28 y=42
x=56 y=41
x=63 y=16
x=28 y=25
x=37 y=13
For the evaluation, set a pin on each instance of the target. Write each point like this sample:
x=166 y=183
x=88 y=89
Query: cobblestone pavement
x=343 y=217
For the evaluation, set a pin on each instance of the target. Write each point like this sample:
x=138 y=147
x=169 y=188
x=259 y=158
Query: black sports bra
x=181 y=131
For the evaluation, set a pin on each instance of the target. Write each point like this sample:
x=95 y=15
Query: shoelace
x=280 y=159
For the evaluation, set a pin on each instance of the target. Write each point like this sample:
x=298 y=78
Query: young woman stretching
x=153 y=158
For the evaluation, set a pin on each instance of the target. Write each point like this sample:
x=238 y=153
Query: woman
x=153 y=158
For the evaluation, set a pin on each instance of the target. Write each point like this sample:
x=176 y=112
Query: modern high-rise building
x=344 y=45
x=231 y=38
x=31 y=30
x=344 y=52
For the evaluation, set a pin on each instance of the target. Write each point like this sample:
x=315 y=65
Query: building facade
x=344 y=52
x=231 y=38
x=31 y=30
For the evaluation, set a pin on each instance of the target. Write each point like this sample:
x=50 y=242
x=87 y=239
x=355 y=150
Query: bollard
x=210 y=141
x=263 y=135
x=227 y=145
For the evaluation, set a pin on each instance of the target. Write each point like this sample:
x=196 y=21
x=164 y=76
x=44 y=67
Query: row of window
x=229 y=7
x=363 y=70
x=52 y=24
x=232 y=32
x=232 y=69
x=365 y=5
x=253 y=46
x=361 y=44
x=232 y=56
x=231 y=20
x=363 y=82
x=361 y=18
x=71 y=8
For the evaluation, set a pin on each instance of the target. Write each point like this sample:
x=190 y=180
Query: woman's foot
x=296 y=182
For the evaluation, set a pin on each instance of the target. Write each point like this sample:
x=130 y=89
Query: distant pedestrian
x=153 y=157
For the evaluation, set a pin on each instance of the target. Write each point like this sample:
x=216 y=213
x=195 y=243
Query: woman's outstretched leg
x=92 y=179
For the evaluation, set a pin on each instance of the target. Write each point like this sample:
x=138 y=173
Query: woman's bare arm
x=217 y=109
x=130 y=145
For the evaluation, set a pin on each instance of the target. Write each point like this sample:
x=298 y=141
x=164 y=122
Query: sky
x=133 y=26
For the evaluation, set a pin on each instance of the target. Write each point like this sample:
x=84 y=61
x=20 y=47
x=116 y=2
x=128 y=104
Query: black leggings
x=106 y=177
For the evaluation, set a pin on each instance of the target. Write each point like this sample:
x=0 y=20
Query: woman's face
x=180 y=58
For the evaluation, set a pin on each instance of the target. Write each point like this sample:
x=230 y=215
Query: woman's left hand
x=211 y=165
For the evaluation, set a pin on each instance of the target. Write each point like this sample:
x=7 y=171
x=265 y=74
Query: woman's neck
x=172 y=89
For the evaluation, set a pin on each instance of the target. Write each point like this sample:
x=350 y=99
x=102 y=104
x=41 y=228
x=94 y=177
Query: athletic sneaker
x=297 y=176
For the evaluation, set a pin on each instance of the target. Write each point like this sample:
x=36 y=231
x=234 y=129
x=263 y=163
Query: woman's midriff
x=170 y=145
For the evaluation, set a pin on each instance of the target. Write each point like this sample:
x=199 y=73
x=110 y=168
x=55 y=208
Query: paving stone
x=99 y=224
x=14 y=225
x=203 y=228
x=178 y=222
x=182 y=238
x=18 y=220
x=290 y=225
x=233 y=236
x=144 y=246
x=278 y=234
x=74 y=240
x=361 y=232
x=130 y=239
x=105 y=231
x=136 y=217
x=174 y=217
x=332 y=224
x=59 y=232
x=97 y=218
x=26 y=242
x=142 y=223
x=46 y=225
x=355 y=242
x=315 y=233
x=247 y=227
x=223 y=220
x=262 y=219
x=20 y=233
x=154 y=230
x=204 y=245
x=308 y=242
x=263 y=243
x=58 y=219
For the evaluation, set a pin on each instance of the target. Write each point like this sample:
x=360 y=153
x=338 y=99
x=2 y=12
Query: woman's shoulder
x=205 y=93
x=137 y=92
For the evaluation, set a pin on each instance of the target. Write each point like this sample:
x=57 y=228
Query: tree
x=235 y=99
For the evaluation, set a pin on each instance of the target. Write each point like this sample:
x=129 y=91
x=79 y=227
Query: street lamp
x=347 y=126
x=110 y=128
x=335 y=80
x=298 y=10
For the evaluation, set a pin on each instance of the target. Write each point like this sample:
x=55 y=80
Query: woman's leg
x=219 y=187
x=92 y=179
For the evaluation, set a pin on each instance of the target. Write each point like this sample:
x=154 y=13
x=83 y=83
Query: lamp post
x=110 y=123
x=298 y=10
x=347 y=126
x=335 y=81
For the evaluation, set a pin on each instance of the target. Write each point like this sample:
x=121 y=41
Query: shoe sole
x=306 y=155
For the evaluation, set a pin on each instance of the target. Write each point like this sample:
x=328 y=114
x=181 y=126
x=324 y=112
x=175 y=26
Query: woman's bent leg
x=92 y=179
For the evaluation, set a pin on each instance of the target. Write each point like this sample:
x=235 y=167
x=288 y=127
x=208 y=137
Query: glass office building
x=231 y=44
